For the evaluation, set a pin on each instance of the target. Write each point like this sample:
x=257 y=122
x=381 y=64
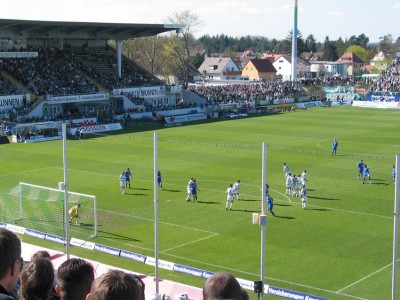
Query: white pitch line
x=28 y=171
x=366 y=277
x=152 y=220
x=192 y=242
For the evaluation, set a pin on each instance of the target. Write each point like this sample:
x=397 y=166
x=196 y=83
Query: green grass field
x=340 y=247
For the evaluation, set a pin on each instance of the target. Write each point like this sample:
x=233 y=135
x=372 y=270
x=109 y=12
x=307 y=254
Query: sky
x=236 y=18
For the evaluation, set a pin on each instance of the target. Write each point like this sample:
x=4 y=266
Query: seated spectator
x=10 y=263
x=37 y=280
x=74 y=279
x=222 y=285
x=116 y=285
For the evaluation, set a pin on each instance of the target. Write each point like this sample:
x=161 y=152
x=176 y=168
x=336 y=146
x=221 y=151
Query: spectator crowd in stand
x=388 y=82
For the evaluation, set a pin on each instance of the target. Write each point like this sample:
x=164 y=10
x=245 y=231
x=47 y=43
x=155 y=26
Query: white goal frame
x=92 y=197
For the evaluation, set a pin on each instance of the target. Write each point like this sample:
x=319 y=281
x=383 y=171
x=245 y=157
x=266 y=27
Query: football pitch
x=339 y=247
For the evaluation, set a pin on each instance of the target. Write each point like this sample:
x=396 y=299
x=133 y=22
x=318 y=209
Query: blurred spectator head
x=11 y=261
x=222 y=285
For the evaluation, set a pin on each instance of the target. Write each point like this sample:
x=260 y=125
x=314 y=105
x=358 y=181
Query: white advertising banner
x=8 y=102
x=96 y=128
x=78 y=98
x=377 y=104
x=142 y=92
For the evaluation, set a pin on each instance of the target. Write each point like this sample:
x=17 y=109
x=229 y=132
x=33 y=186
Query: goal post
x=42 y=208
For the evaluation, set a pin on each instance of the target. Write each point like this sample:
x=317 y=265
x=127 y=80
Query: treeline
x=332 y=49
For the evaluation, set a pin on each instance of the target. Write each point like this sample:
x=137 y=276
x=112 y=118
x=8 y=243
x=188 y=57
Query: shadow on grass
x=323 y=198
x=276 y=204
x=285 y=217
x=116 y=236
x=319 y=209
x=206 y=202
x=248 y=200
x=173 y=191
x=135 y=194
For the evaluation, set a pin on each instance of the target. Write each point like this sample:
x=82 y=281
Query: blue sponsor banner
x=378 y=97
x=288 y=294
x=3 y=225
x=55 y=239
x=188 y=270
x=207 y=274
x=106 y=249
x=133 y=256
x=35 y=233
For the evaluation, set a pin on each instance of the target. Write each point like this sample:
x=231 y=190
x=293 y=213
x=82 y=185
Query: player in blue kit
x=128 y=176
x=335 y=145
x=270 y=203
x=366 y=174
x=360 y=168
x=159 y=180
x=394 y=174
x=194 y=190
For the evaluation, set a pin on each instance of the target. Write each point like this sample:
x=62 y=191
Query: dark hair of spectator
x=74 y=279
x=37 y=279
x=116 y=285
x=10 y=250
x=222 y=285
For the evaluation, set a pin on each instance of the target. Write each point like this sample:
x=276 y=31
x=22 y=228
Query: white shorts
x=189 y=190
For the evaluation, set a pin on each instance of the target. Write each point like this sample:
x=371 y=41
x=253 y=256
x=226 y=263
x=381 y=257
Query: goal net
x=42 y=209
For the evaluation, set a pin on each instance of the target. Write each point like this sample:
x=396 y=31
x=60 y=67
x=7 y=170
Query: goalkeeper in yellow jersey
x=73 y=213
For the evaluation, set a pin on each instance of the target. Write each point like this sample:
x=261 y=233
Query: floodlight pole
x=395 y=231
x=155 y=187
x=294 y=43
x=66 y=216
x=263 y=218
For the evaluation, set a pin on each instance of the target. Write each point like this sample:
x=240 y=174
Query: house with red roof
x=352 y=64
x=259 y=69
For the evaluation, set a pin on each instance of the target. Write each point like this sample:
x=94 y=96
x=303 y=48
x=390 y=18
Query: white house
x=218 y=68
x=283 y=66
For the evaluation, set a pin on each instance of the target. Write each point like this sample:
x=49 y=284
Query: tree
x=310 y=43
x=330 y=51
x=361 y=52
x=287 y=42
x=181 y=42
x=360 y=40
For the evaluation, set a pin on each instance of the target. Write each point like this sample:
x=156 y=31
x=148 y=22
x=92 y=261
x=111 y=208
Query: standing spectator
x=74 y=213
x=159 y=180
x=37 y=279
x=189 y=189
x=74 y=279
x=229 y=197
x=270 y=203
x=222 y=285
x=236 y=187
x=116 y=285
x=128 y=176
x=122 y=182
x=10 y=263
x=360 y=168
x=335 y=145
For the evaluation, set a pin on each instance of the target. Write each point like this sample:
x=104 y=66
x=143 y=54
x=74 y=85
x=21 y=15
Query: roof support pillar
x=119 y=58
